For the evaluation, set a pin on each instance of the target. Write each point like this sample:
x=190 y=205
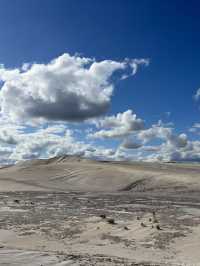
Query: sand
x=69 y=174
x=50 y=213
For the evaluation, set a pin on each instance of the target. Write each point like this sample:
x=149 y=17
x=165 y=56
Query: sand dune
x=51 y=213
x=74 y=173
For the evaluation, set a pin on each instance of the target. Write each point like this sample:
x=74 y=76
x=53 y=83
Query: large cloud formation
x=165 y=145
x=173 y=147
x=22 y=143
x=37 y=99
x=69 y=88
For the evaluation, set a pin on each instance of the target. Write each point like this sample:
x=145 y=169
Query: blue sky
x=165 y=32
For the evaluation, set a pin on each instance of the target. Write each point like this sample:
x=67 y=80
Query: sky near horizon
x=102 y=79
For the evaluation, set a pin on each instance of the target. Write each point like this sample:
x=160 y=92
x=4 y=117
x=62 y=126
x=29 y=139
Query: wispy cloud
x=197 y=95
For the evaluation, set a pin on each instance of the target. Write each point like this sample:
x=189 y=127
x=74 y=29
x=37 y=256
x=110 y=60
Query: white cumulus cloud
x=69 y=88
x=117 y=126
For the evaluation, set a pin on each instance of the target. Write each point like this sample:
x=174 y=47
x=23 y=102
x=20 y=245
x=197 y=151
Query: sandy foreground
x=71 y=211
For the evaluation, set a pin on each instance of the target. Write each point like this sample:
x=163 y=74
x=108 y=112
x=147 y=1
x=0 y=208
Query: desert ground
x=73 y=211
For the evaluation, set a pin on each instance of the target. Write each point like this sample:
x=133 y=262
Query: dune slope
x=73 y=173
